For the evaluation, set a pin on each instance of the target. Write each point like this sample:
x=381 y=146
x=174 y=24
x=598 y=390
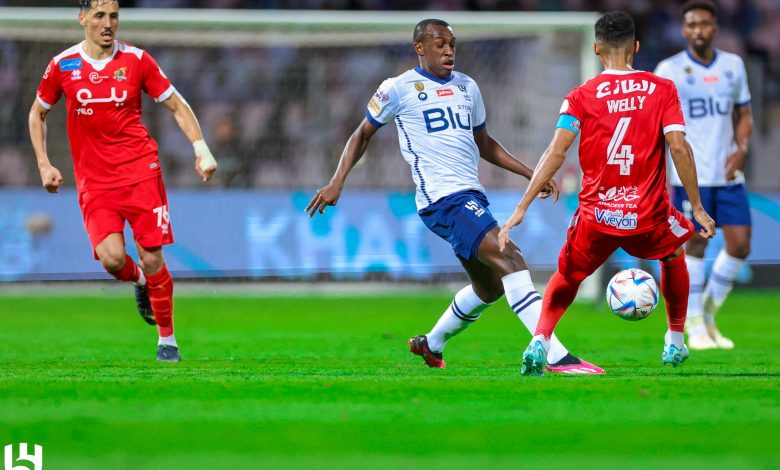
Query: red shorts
x=586 y=248
x=144 y=205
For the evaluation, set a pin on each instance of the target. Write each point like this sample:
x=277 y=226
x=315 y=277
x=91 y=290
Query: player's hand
x=323 y=197
x=513 y=221
x=51 y=179
x=735 y=162
x=704 y=219
x=208 y=172
x=551 y=189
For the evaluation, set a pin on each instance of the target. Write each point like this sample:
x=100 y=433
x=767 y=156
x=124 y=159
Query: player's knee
x=151 y=262
x=740 y=250
x=112 y=259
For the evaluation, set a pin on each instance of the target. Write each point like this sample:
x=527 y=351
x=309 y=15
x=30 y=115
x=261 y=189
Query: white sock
x=724 y=272
x=694 y=315
x=545 y=341
x=141 y=278
x=168 y=341
x=526 y=302
x=464 y=310
x=674 y=337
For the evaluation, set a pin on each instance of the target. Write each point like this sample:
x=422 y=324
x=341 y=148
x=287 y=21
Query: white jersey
x=709 y=94
x=436 y=119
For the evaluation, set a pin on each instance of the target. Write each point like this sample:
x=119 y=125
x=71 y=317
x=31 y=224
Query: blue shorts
x=462 y=218
x=727 y=205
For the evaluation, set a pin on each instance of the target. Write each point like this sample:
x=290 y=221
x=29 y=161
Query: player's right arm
x=381 y=109
x=356 y=146
x=50 y=176
x=682 y=155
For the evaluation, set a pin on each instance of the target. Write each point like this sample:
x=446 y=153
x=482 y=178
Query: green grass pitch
x=312 y=382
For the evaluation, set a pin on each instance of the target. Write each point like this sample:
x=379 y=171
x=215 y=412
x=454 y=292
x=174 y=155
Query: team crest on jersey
x=729 y=75
x=462 y=88
x=419 y=86
x=70 y=64
x=120 y=74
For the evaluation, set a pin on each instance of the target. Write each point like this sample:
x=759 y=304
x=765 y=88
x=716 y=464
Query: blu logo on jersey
x=436 y=120
x=701 y=107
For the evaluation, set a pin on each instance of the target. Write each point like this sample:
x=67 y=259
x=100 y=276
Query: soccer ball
x=632 y=294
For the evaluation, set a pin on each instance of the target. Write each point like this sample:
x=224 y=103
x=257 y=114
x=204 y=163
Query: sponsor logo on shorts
x=445 y=92
x=617 y=219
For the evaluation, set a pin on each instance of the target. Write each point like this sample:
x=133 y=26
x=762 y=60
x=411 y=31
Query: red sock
x=675 y=286
x=129 y=271
x=558 y=296
x=160 y=288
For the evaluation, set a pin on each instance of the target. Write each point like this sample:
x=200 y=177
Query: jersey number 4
x=617 y=152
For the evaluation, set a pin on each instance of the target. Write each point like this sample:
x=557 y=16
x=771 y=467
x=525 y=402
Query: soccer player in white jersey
x=442 y=133
x=716 y=102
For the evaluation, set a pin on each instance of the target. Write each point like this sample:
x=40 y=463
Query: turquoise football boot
x=674 y=355
x=534 y=359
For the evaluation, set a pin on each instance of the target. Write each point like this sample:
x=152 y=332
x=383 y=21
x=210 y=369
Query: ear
x=596 y=48
x=636 y=47
x=82 y=18
x=418 y=48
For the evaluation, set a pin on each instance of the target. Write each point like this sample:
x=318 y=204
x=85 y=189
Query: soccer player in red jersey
x=116 y=165
x=624 y=117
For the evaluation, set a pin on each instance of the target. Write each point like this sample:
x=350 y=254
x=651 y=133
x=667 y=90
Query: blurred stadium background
x=278 y=90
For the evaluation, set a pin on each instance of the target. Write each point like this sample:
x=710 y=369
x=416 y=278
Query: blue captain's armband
x=569 y=122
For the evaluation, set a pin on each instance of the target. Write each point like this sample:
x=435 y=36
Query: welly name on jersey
x=626 y=104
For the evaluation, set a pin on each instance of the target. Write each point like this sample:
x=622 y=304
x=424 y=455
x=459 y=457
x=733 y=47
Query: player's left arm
x=743 y=130
x=205 y=164
x=492 y=151
x=552 y=160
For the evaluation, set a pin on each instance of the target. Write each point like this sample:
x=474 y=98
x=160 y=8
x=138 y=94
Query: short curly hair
x=699 y=5
x=615 y=29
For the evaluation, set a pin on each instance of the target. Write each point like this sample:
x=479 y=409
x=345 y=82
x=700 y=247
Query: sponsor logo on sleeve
x=67 y=65
x=381 y=96
x=617 y=219
x=373 y=106
x=46 y=73
x=445 y=92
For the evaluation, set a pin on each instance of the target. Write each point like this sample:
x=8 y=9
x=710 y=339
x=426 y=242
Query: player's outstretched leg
x=675 y=285
x=464 y=310
x=724 y=272
x=160 y=288
x=526 y=302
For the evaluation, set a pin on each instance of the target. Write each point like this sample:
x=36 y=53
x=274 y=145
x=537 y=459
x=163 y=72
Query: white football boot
x=698 y=338
x=710 y=307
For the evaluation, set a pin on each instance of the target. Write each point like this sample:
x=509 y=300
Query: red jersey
x=111 y=148
x=623 y=117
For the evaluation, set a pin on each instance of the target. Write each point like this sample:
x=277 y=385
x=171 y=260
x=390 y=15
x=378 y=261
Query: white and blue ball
x=632 y=294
